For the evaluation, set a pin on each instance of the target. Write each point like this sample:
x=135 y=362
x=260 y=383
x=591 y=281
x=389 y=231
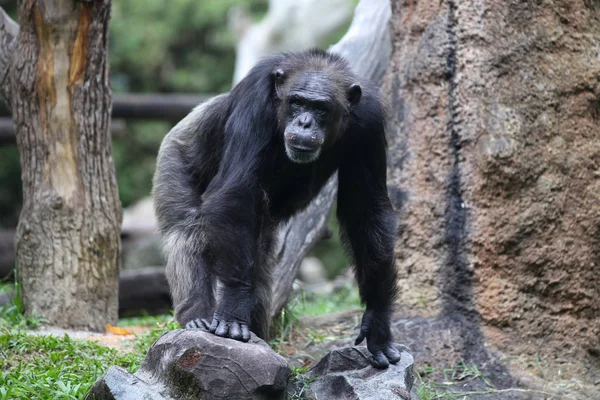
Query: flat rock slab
x=185 y=364
x=347 y=374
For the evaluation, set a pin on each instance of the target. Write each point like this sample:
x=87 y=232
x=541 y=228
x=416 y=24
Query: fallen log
x=142 y=291
x=7 y=254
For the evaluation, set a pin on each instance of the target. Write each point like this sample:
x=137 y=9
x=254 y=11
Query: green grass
x=47 y=367
x=6 y=286
x=12 y=315
x=441 y=384
x=320 y=304
x=146 y=320
x=50 y=367
x=310 y=305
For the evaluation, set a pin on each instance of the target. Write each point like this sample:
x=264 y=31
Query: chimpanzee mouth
x=302 y=155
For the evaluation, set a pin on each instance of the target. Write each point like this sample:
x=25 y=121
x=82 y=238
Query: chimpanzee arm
x=368 y=225
x=233 y=204
x=231 y=215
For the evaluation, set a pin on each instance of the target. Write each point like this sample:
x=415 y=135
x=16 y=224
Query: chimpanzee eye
x=295 y=102
x=321 y=108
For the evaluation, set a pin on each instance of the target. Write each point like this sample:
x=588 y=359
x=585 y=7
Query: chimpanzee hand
x=229 y=327
x=224 y=327
x=375 y=327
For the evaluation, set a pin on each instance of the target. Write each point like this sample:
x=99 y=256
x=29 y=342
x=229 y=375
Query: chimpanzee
x=238 y=166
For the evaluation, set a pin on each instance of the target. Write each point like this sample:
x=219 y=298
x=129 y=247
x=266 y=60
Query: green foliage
x=134 y=174
x=12 y=315
x=182 y=46
x=6 y=287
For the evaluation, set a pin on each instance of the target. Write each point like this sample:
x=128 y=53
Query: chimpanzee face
x=311 y=111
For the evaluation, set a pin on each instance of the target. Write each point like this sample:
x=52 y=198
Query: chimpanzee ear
x=279 y=77
x=354 y=93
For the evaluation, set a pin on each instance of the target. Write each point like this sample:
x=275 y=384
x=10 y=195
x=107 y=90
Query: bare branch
x=8 y=32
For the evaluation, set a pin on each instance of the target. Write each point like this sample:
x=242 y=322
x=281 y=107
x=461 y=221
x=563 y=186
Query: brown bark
x=495 y=155
x=68 y=234
x=8 y=32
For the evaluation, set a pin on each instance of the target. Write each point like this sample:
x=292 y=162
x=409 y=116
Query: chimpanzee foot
x=375 y=328
x=229 y=328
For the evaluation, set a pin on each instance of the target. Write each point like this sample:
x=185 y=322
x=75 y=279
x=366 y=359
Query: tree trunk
x=68 y=234
x=495 y=164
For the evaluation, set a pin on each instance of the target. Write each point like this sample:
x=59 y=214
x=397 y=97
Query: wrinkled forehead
x=313 y=84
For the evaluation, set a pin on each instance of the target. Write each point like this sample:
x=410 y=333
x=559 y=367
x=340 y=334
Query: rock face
x=346 y=374
x=185 y=364
x=495 y=169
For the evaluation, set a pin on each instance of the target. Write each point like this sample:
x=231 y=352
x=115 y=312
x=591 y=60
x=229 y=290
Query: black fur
x=226 y=178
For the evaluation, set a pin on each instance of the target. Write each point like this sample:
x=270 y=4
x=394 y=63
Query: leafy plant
x=13 y=315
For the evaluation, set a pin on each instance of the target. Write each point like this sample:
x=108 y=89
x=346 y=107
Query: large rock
x=495 y=165
x=347 y=374
x=185 y=364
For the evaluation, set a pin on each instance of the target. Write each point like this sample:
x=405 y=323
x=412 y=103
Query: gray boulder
x=186 y=364
x=347 y=374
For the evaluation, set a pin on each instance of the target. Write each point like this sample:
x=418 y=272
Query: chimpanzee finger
x=214 y=325
x=359 y=339
x=364 y=332
x=235 y=331
x=245 y=333
x=392 y=354
x=205 y=324
x=379 y=360
x=222 y=329
x=193 y=324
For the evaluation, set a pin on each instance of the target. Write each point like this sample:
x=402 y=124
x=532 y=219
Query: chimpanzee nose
x=305 y=120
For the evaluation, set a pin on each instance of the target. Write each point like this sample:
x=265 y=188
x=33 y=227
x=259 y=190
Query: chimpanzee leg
x=192 y=284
